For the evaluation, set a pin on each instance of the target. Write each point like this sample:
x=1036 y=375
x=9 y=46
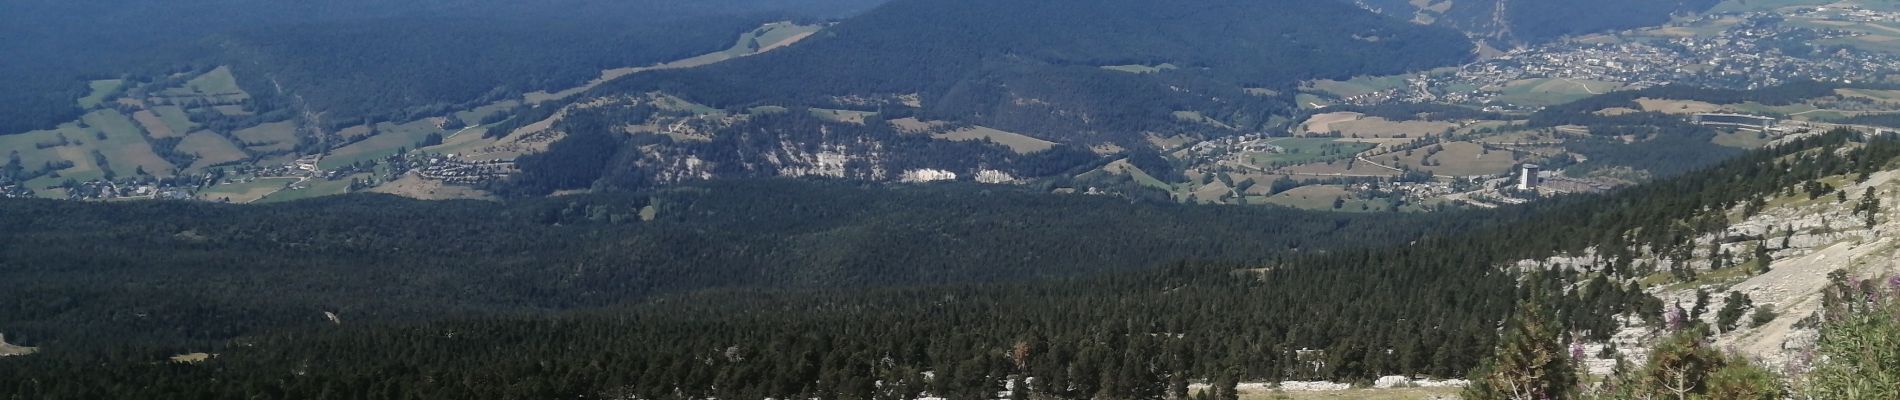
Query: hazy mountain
x=1507 y=23
x=1036 y=67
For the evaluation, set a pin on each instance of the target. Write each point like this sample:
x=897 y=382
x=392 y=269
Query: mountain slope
x=357 y=58
x=1507 y=23
x=1036 y=67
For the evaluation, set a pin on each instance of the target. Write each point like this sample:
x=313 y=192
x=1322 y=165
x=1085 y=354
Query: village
x=1732 y=51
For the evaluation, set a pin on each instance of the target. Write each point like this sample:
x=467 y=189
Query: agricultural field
x=1551 y=91
x=175 y=118
x=153 y=125
x=1122 y=167
x=1765 y=5
x=1322 y=197
x=1292 y=151
x=844 y=116
x=1677 y=106
x=474 y=116
x=1355 y=125
x=1021 y=144
x=1455 y=159
x=464 y=141
x=415 y=187
x=1336 y=168
x=100 y=89
x=1742 y=139
x=1142 y=68
x=1323 y=123
x=244 y=192
x=270 y=137
x=1376 y=127
x=1308 y=101
x=217 y=86
x=313 y=188
x=211 y=149
x=389 y=139
x=1878 y=96
x=1359 y=85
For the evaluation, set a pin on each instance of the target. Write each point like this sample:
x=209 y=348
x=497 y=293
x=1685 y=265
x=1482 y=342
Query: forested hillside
x=1505 y=23
x=462 y=301
x=205 y=272
x=357 y=58
x=1071 y=70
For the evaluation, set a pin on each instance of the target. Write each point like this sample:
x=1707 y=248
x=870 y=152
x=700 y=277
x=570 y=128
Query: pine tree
x=1530 y=363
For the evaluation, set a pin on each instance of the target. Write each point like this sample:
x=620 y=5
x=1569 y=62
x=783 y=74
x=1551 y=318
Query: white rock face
x=927 y=175
x=994 y=177
x=1313 y=386
x=1821 y=236
x=1391 y=381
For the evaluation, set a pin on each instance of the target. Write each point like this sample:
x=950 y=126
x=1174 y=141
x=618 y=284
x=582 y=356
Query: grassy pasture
x=217 y=86
x=385 y=144
x=467 y=141
x=1552 y=91
x=245 y=192
x=1741 y=139
x=1677 y=106
x=671 y=103
x=1458 y=159
x=1321 y=197
x=845 y=116
x=275 y=136
x=474 y=116
x=175 y=118
x=1122 y=167
x=1309 y=101
x=412 y=186
x=1323 y=123
x=1376 y=127
x=313 y=188
x=112 y=135
x=154 y=126
x=124 y=147
x=1021 y=144
x=1141 y=68
x=1307 y=150
x=1884 y=96
x=1359 y=85
x=1764 y=5
x=211 y=149
x=100 y=89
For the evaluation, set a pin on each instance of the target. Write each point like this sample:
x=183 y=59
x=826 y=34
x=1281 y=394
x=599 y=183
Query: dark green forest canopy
x=1434 y=302
x=1034 y=66
x=358 y=58
x=458 y=299
x=210 y=272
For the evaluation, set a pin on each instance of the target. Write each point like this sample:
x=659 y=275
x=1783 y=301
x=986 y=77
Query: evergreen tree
x=1529 y=364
